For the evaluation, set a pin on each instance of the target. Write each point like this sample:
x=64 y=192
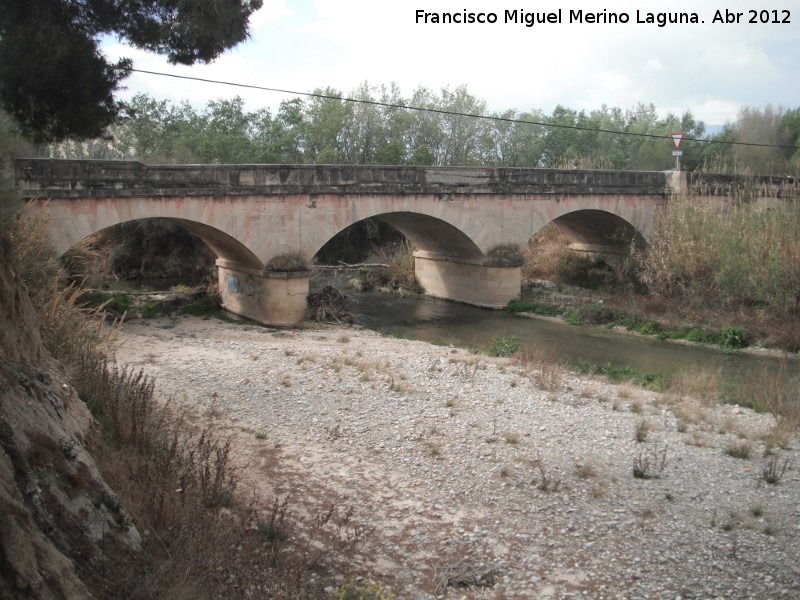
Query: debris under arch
x=329 y=305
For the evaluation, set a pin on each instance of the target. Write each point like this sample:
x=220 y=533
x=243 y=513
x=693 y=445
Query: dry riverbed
x=516 y=478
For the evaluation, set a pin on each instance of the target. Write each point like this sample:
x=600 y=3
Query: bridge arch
x=74 y=227
x=599 y=232
x=426 y=234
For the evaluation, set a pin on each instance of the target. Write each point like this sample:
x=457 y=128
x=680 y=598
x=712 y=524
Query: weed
x=733 y=338
x=536 y=308
x=203 y=306
x=288 y=263
x=642 y=430
x=512 y=439
x=548 y=367
x=358 y=590
x=546 y=483
x=649 y=463
x=733 y=521
x=740 y=449
x=730 y=254
x=702 y=384
x=434 y=449
x=584 y=471
x=774 y=469
x=651 y=381
x=503 y=346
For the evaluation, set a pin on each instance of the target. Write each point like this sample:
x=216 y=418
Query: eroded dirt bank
x=453 y=461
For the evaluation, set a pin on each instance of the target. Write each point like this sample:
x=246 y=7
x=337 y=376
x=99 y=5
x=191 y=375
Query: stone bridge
x=252 y=216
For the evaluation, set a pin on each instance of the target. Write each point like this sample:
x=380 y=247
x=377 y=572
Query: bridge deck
x=89 y=178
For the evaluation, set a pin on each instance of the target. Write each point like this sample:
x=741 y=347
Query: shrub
x=287 y=263
x=584 y=271
x=503 y=346
x=735 y=254
x=740 y=449
x=536 y=308
x=597 y=314
x=774 y=469
x=649 y=464
x=507 y=255
x=642 y=430
x=733 y=338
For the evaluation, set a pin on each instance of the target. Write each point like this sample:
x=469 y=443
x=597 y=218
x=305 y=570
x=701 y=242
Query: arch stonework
x=250 y=214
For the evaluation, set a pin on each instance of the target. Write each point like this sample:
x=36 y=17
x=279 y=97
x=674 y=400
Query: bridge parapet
x=742 y=186
x=92 y=178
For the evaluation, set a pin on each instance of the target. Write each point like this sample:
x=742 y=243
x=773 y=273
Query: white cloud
x=710 y=69
x=271 y=11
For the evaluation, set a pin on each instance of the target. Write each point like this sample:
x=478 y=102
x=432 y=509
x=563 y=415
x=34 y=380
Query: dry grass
x=199 y=537
x=292 y=262
x=728 y=253
x=545 y=250
x=544 y=365
x=701 y=384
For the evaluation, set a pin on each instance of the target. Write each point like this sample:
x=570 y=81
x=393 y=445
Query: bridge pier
x=268 y=297
x=466 y=280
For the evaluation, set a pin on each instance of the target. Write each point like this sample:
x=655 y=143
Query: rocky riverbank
x=479 y=477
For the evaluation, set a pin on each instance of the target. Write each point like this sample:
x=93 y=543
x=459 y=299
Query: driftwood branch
x=463 y=574
x=344 y=266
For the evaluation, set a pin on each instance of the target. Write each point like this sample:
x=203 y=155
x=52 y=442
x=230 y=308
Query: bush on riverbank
x=734 y=254
x=729 y=263
x=397 y=274
x=729 y=338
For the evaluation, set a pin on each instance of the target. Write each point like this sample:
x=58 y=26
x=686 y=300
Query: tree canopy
x=331 y=129
x=55 y=81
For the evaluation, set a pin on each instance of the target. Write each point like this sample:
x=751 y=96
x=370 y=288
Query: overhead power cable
x=454 y=113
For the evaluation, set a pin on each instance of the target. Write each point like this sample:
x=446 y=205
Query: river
x=444 y=322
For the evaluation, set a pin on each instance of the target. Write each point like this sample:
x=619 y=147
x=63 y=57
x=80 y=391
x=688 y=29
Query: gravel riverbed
x=457 y=462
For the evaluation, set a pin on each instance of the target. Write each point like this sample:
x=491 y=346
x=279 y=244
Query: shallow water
x=445 y=322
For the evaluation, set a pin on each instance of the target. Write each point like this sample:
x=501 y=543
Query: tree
x=56 y=83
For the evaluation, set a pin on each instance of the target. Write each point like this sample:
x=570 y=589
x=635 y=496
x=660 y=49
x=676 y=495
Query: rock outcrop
x=61 y=526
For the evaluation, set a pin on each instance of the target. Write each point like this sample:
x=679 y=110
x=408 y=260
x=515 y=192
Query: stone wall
x=86 y=178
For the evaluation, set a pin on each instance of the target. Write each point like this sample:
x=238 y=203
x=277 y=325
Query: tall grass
x=729 y=254
x=200 y=537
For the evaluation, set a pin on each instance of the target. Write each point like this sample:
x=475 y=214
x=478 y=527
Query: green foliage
x=536 y=308
x=733 y=338
x=204 y=306
x=651 y=381
x=503 y=346
x=119 y=302
x=55 y=81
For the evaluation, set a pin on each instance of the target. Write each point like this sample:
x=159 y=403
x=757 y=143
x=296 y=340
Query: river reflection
x=444 y=322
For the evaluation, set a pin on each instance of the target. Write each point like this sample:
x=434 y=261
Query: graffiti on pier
x=241 y=285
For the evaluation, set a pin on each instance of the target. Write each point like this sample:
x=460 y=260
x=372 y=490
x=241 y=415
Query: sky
x=711 y=69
